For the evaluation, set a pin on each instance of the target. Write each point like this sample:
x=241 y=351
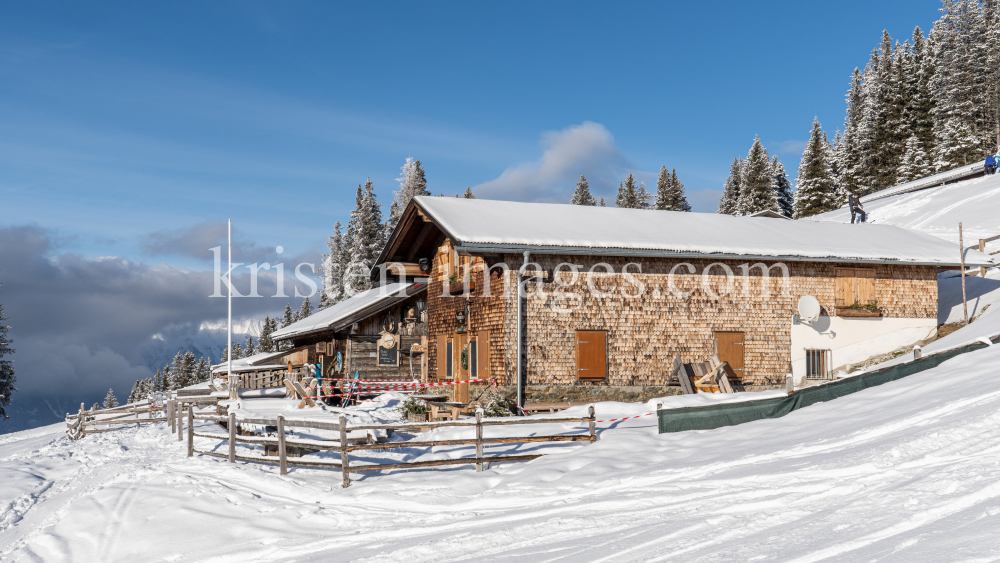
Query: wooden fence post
x=345 y=463
x=593 y=424
x=479 y=440
x=232 y=437
x=170 y=415
x=789 y=384
x=282 y=456
x=982 y=248
x=191 y=430
x=961 y=255
x=180 y=423
x=135 y=409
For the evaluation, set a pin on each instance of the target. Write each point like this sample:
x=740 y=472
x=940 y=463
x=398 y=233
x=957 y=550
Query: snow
x=937 y=211
x=905 y=472
x=485 y=225
x=923 y=183
x=345 y=312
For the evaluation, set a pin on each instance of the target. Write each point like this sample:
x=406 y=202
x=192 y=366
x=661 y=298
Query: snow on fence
x=118 y=418
x=344 y=446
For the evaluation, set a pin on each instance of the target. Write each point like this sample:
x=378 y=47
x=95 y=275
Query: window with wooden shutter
x=854 y=285
x=482 y=370
x=591 y=354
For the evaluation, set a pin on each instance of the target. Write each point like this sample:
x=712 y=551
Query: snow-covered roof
x=263 y=360
x=927 y=181
x=477 y=225
x=343 y=314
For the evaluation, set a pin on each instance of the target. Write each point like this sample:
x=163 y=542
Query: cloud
x=198 y=240
x=587 y=149
x=81 y=325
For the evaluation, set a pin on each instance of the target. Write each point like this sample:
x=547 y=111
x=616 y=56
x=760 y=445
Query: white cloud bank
x=587 y=149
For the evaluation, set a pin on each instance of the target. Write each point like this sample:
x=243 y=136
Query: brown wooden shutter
x=439 y=357
x=483 y=354
x=844 y=290
x=591 y=354
x=866 y=285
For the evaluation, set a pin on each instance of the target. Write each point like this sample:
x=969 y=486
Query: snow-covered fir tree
x=249 y=347
x=815 y=191
x=412 y=183
x=468 y=194
x=915 y=164
x=731 y=189
x=333 y=274
x=136 y=389
x=582 y=194
x=628 y=194
x=366 y=238
x=264 y=341
x=670 y=192
x=783 y=190
x=602 y=203
x=644 y=199
x=679 y=197
x=237 y=351
x=110 y=401
x=203 y=371
x=7 y=378
x=757 y=185
x=306 y=309
x=956 y=145
x=288 y=317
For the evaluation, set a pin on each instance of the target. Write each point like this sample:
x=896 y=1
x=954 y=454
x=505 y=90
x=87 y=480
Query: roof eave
x=495 y=248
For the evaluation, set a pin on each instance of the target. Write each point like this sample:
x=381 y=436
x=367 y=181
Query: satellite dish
x=808 y=308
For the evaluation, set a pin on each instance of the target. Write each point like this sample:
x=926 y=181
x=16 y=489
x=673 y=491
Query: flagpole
x=229 y=323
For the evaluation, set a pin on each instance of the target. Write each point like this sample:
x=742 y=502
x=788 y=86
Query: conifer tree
x=643 y=198
x=582 y=194
x=110 y=401
x=158 y=378
x=136 y=389
x=628 y=194
x=815 y=191
x=664 y=195
x=731 y=189
x=264 y=342
x=412 y=183
x=783 y=190
x=95 y=407
x=602 y=203
x=333 y=274
x=915 y=164
x=7 y=378
x=956 y=145
x=468 y=194
x=249 y=348
x=679 y=198
x=757 y=185
x=237 y=351
x=288 y=317
x=306 y=309
x=179 y=370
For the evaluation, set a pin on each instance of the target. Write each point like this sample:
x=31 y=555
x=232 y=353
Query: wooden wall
x=646 y=331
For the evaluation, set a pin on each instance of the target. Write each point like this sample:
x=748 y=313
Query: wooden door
x=730 y=346
x=591 y=354
x=460 y=373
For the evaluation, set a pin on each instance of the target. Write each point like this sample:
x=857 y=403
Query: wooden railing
x=982 y=248
x=119 y=418
x=343 y=445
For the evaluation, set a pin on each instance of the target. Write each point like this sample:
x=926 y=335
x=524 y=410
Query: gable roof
x=347 y=312
x=485 y=226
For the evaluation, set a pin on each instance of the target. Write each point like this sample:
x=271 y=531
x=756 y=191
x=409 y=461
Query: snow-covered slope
x=906 y=472
x=937 y=211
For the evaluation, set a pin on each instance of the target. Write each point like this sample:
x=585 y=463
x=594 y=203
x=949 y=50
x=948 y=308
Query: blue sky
x=123 y=119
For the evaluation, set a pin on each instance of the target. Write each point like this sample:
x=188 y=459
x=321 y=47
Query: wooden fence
x=119 y=418
x=343 y=445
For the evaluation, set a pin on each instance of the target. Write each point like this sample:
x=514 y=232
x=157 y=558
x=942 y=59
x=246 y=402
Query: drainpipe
x=520 y=331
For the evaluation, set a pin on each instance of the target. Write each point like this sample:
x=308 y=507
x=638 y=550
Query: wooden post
x=282 y=455
x=479 y=440
x=961 y=251
x=135 y=409
x=917 y=353
x=982 y=248
x=180 y=422
x=593 y=424
x=232 y=437
x=790 y=384
x=191 y=430
x=345 y=463
x=170 y=415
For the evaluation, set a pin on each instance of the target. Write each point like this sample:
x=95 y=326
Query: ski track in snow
x=908 y=472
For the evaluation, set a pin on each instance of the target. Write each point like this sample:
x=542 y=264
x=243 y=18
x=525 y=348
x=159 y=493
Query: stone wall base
x=592 y=393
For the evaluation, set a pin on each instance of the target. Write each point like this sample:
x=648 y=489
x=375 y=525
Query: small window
x=818 y=364
x=449 y=364
x=473 y=370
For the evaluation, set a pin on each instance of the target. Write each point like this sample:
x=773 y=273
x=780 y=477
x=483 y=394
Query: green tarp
x=729 y=414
